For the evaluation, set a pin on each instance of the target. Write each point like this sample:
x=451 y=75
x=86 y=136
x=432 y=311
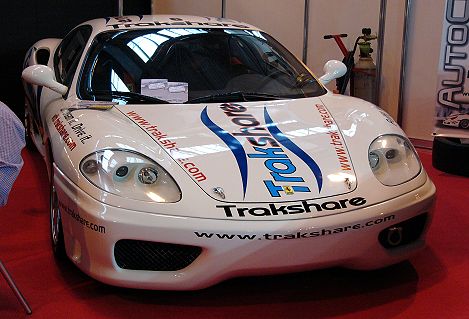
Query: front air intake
x=153 y=256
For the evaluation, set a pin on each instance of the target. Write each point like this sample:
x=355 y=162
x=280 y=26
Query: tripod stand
x=15 y=289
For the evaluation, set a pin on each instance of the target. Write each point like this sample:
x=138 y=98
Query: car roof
x=164 y=21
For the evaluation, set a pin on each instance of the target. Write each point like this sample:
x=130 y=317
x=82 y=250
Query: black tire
x=451 y=156
x=56 y=229
x=464 y=124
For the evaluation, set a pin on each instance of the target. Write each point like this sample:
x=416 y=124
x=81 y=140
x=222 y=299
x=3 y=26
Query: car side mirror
x=43 y=75
x=333 y=69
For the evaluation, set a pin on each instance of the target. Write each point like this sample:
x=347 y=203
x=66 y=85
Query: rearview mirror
x=333 y=69
x=42 y=75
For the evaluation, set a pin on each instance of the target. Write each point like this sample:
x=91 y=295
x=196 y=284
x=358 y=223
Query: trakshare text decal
x=305 y=206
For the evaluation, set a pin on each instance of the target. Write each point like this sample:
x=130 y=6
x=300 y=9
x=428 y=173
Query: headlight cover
x=131 y=175
x=393 y=160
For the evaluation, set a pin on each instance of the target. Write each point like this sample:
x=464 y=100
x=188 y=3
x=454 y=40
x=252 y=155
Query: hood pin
x=219 y=191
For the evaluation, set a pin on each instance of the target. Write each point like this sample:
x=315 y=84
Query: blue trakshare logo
x=235 y=146
x=267 y=142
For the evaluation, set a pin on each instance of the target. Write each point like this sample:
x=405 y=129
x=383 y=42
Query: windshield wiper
x=130 y=96
x=240 y=95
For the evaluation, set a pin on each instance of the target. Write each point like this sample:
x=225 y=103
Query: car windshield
x=177 y=65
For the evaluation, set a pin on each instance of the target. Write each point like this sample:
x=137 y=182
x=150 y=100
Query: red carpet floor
x=433 y=284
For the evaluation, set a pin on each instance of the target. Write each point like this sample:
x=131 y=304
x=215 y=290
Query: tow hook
x=394 y=237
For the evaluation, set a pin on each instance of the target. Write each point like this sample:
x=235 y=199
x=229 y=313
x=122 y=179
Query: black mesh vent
x=147 y=255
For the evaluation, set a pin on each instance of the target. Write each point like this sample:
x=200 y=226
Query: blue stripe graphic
x=235 y=146
x=285 y=141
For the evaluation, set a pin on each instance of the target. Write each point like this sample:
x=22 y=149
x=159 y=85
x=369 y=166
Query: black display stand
x=450 y=155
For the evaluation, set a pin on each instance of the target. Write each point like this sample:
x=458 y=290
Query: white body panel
x=334 y=210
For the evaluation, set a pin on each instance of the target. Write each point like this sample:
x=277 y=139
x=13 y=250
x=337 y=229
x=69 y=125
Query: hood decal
x=267 y=151
x=233 y=144
x=278 y=164
x=287 y=143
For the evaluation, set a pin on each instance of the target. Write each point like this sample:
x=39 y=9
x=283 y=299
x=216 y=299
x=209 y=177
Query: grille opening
x=403 y=233
x=154 y=256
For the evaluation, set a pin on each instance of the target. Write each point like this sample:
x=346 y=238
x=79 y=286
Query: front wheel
x=56 y=230
x=464 y=124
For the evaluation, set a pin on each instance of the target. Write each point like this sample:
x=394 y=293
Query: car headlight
x=393 y=160
x=131 y=175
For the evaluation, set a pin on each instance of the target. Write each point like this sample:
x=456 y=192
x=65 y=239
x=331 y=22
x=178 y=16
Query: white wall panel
x=422 y=64
x=279 y=18
x=392 y=52
x=335 y=17
x=210 y=8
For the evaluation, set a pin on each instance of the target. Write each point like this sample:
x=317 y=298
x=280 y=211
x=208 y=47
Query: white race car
x=185 y=150
x=458 y=120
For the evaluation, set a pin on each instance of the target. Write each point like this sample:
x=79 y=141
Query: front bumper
x=233 y=248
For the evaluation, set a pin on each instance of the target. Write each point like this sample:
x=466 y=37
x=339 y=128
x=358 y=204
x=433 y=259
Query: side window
x=69 y=53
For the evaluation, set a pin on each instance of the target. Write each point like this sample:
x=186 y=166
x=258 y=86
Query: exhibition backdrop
x=23 y=23
x=452 y=103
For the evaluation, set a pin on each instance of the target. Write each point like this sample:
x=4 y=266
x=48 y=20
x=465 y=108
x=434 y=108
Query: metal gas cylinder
x=363 y=84
x=363 y=79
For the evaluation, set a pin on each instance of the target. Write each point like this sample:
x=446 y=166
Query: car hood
x=269 y=151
